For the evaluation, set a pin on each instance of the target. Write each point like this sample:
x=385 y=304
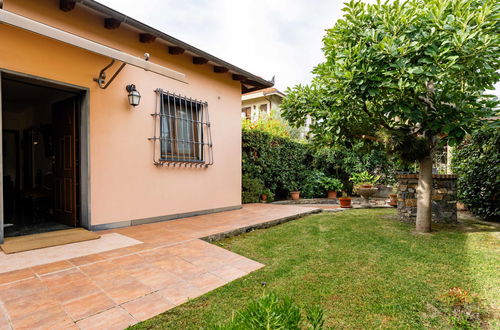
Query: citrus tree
x=411 y=75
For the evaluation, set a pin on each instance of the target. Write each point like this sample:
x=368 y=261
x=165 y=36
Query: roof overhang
x=249 y=81
x=28 y=24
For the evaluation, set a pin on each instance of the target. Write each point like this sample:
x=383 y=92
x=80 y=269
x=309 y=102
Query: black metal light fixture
x=134 y=97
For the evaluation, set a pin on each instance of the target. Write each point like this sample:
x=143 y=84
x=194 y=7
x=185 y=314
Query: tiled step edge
x=262 y=225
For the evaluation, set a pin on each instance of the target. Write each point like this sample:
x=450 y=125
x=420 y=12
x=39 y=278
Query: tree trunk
x=424 y=196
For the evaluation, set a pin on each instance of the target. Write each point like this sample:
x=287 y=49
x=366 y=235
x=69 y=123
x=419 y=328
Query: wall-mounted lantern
x=134 y=97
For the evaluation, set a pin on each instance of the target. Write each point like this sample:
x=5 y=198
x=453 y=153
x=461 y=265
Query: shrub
x=331 y=184
x=476 y=162
x=273 y=312
x=341 y=162
x=277 y=161
x=252 y=188
x=313 y=186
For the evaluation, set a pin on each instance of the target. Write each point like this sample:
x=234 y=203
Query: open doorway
x=40 y=157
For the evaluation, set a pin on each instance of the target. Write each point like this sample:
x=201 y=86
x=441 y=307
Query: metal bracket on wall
x=101 y=81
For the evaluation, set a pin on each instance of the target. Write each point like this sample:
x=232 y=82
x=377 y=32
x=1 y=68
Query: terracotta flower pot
x=332 y=194
x=345 y=202
x=263 y=197
x=366 y=186
x=295 y=195
x=393 y=200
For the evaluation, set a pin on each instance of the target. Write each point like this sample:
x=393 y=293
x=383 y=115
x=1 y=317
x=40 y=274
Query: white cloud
x=265 y=37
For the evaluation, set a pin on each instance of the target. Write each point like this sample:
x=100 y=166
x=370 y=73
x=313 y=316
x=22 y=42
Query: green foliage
x=342 y=162
x=271 y=312
x=252 y=188
x=477 y=163
x=312 y=186
x=280 y=163
x=331 y=184
x=269 y=194
x=412 y=75
x=364 y=178
x=271 y=125
x=285 y=165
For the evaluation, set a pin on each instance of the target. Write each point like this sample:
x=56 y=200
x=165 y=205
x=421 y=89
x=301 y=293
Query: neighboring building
x=260 y=103
x=77 y=153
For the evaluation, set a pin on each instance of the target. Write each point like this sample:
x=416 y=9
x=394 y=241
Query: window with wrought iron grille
x=184 y=135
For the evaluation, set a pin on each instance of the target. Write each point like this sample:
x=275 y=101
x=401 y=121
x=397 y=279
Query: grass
x=365 y=270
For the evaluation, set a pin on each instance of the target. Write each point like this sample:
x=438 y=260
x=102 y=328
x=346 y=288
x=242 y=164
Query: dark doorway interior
x=40 y=158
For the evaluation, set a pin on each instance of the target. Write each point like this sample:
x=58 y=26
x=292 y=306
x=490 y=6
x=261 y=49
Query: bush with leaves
x=277 y=161
x=252 y=188
x=477 y=163
x=272 y=313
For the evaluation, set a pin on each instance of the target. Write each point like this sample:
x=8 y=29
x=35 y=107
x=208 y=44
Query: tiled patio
x=117 y=288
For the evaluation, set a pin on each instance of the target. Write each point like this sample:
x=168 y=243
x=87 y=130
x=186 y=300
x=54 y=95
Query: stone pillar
x=444 y=198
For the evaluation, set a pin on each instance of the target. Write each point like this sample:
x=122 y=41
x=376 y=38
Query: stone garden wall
x=444 y=197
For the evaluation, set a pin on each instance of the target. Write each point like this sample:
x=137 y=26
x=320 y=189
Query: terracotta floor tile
x=125 y=290
x=148 y=306
x=16 y=275
x=4 y=322
x=88 y=306
x=114 y=253
x=247 y=265
x=207 y=282
x=24 y=288
x=207 y=263
x=181 y=292
x=178 y=266
x=91 y=258
x=229 y=273
x=62 y=277
x=25 y=305
x=105 y=270
x=157 y=278
x=73 y=290
x=52 y=317
x=115 y=318
x=52 y=267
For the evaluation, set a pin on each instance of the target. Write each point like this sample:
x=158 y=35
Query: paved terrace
x=113 y=289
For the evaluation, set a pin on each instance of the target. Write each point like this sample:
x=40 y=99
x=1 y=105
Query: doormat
x=43 y=240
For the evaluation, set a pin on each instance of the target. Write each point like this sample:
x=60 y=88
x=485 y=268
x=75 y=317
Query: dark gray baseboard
x=135 y=222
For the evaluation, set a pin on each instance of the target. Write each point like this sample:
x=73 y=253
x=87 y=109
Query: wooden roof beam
x=220 y=69
x=146 y=38
x=67 y=5
x=174 y=50
x=111 y=23
x=238 y=77
x=199 y=60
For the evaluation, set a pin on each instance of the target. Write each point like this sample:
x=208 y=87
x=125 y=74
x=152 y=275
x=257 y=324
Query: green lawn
x=365 y=270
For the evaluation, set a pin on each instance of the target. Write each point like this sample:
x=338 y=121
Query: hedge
x=282 y=164
x=477 y=163
x=279 y=162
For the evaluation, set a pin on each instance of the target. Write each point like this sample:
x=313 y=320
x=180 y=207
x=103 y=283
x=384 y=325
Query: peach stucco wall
x=125 y=185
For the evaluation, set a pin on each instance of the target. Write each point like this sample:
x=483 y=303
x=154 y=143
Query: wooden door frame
x=84 y=138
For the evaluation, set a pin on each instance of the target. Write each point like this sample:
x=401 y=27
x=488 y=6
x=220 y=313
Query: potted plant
x=266 y=195
x=363 y=185
x=294 y=191
x=393 y=198
x=331 y=185
x=345 y=200
x=364 y=179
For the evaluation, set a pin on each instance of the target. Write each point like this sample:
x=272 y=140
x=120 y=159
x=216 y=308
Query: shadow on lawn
x=365 y=269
